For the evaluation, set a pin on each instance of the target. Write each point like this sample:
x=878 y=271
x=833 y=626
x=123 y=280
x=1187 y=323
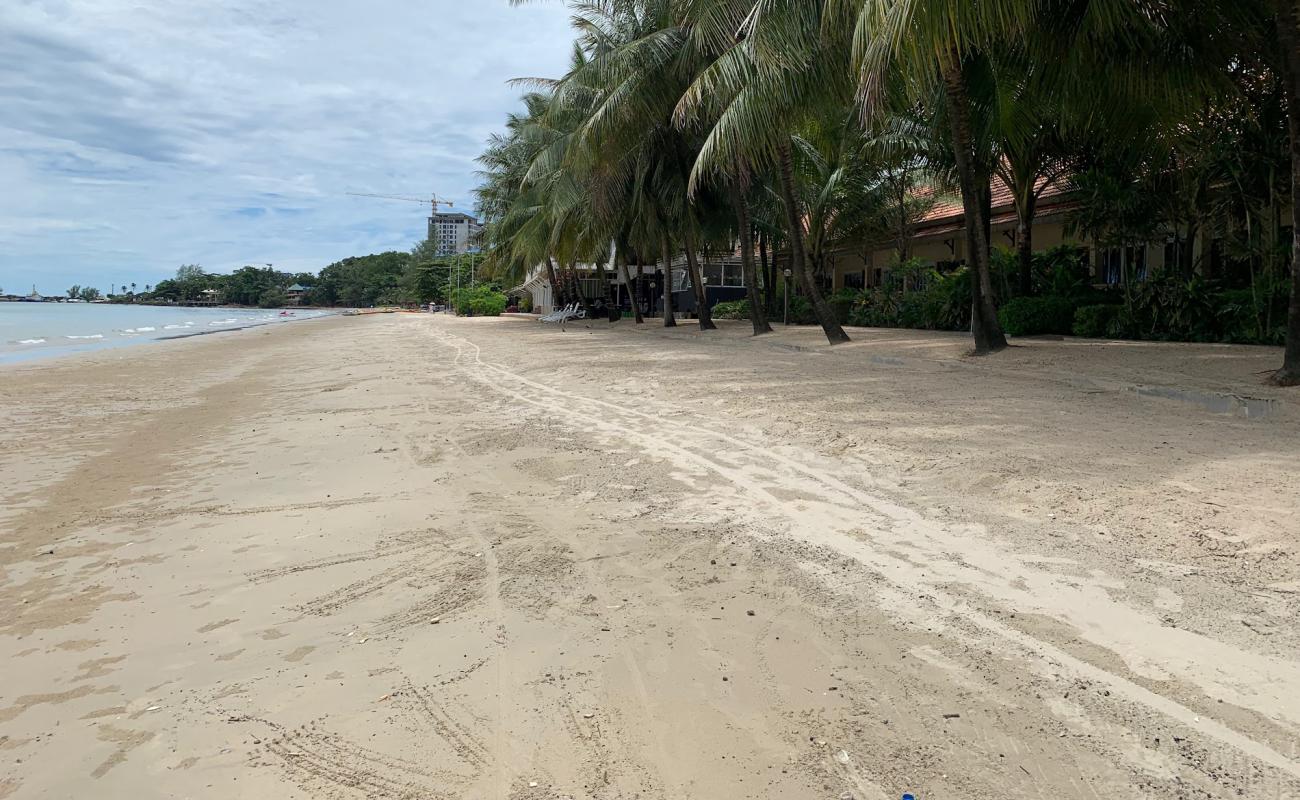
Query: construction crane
x=433 y=201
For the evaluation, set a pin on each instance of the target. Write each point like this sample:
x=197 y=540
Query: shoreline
x=62 y=352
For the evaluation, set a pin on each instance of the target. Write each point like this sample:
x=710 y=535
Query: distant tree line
x=392 y=278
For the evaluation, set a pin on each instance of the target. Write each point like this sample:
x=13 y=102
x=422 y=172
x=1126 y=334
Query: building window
x=1114 y=261
x=1178 y=252
x=855 y=280
x=1110 y=266
x=1137 y=262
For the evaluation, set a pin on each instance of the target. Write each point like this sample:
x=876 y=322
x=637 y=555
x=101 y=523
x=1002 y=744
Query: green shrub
x=479 y=301
x=1097 y=321
x=801 y=311
x=1062 y=271
x=1029 y=316
x=841 y=302
x=922 y=298
x=731 y=309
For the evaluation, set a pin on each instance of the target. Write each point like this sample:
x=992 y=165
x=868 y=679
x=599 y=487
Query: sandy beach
x=408 y=556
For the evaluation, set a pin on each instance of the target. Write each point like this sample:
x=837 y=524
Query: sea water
x=42 y=330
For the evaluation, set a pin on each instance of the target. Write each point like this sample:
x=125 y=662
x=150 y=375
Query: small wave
x=91 y=336
x=31 y=341
x=145 y=330
x=173 y=327
x=231 y=321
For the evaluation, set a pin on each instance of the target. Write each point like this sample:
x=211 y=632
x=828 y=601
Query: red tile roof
x=948 y=207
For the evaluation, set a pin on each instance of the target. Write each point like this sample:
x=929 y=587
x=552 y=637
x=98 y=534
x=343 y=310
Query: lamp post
x=787 y=297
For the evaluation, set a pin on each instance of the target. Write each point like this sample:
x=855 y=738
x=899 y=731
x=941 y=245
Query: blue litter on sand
x=908 y=797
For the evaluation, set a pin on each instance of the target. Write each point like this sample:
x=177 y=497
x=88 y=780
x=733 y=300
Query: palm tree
x=777 y=67
x=640 y=60
x=1287 y=23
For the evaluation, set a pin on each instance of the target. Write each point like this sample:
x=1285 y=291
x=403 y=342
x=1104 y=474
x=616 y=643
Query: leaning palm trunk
x=1288 y=34
x=621 y=256
x=984 y=318
x=636 y=297
x=702 y=310
x=670 y=321
x=557 y=291
x=608 y=283
x=757 y=315
x=769 y=273
x=577 y=288
x=830 y=325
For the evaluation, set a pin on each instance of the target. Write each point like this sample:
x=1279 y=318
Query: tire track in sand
x=657 y=435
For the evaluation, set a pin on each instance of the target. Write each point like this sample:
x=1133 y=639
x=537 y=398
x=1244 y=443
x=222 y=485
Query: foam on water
x=46 y=330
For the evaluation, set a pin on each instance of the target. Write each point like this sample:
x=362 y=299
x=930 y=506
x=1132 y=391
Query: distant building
x=453 y=232
x=296 y=292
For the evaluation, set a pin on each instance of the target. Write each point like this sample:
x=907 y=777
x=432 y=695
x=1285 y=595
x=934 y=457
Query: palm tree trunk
x=557 y=291
x=1025 y=244
x=670 y=321
x=577 y=288
x=1288 y=34
x=609 y=291
x=769 y=273
x=702 y=311
x=621 y=255
x=904 y=234
x=984 y=316
x=636 y=295
x=757 y=315
x=830 y=325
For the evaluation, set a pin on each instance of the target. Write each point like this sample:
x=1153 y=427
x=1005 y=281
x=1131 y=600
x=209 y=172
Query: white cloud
x=138 y=136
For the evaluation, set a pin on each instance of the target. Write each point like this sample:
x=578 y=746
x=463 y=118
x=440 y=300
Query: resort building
x=723 y=281
x=453 y=232
x=296 y=293
x=937 y=238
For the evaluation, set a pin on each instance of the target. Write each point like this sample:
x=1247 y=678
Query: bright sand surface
x=407 y=556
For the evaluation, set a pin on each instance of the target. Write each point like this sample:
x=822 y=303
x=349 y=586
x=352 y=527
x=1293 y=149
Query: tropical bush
x=478 y=301
x=915 y=296
x=731 y=309
x=1028 y=316
x=1098 y=321
x=842 y=302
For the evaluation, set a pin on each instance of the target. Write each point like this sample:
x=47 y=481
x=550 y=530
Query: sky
x=140 y=135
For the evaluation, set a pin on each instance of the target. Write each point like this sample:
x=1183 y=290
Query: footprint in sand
x=299 y=654
x=126 y=741
x=212 y=626
x=273 y=633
